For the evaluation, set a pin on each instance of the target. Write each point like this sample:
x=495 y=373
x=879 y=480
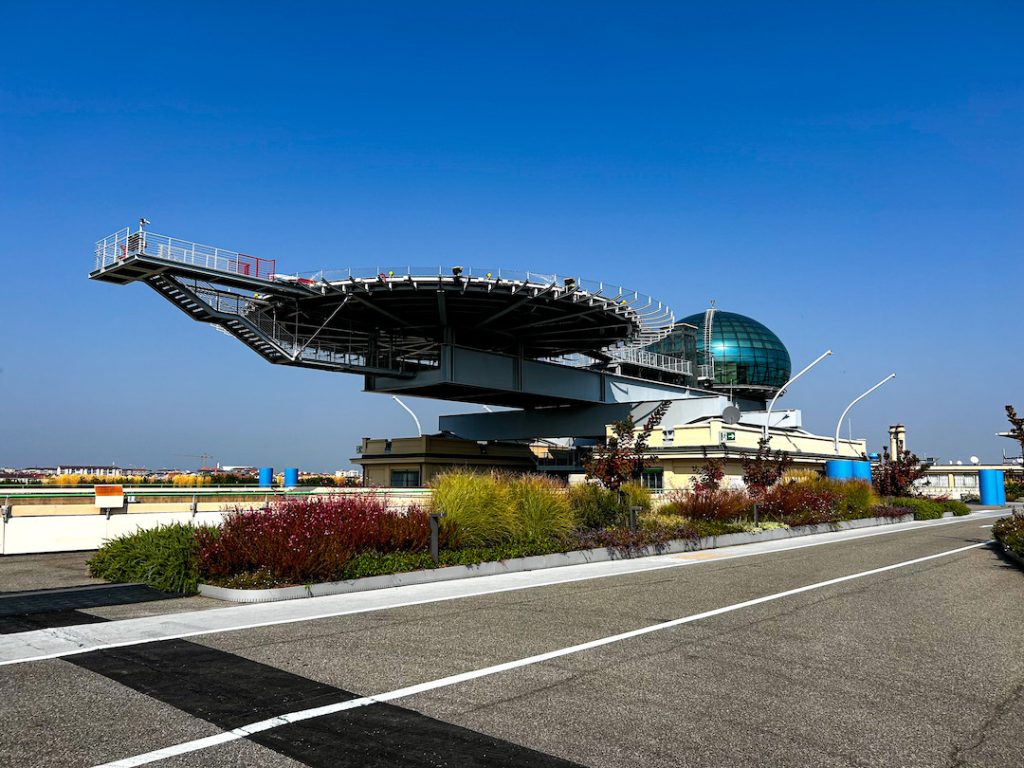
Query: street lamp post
x=768 y=418
x=835 y=444
x=419 y=429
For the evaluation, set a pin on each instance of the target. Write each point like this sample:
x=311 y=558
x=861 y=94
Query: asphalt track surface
x=905 y=649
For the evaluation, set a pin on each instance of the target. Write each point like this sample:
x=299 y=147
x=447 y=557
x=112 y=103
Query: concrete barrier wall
x=42 y=527
x=66 y=533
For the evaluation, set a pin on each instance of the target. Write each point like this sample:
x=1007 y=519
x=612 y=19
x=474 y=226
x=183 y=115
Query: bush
x=804 y=503
x=1014 y=490
x=635 y=495
x=854 y=499
x=302 y=540
x=1009 y=531
x=540 y=509
x=931 y=509
x=627 y=543
x=477 y=506
x=706 y=503
x=163 y=558
x=594 y=506
x=958 y=508
x=889 y=510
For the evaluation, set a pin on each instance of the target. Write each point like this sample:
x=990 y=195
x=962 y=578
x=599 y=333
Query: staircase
x=185 y=299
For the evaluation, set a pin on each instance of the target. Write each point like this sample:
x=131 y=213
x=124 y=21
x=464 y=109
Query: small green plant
x=164 y=558
x=593 y=505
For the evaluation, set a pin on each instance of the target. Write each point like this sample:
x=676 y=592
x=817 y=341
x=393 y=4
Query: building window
x=653 y=479
x=668 y=436
x=405 y=478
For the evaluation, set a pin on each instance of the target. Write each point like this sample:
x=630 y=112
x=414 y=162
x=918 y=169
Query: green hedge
x=163 y=558
x=931 y=509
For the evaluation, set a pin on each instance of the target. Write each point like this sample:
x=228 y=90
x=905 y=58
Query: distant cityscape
x=71 y=474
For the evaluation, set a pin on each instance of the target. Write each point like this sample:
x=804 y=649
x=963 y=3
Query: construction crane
x=204 y=457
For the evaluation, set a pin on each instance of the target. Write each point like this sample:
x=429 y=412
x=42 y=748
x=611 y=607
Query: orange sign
x=109 y=496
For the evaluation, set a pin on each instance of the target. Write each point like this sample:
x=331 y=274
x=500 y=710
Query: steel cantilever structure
x=478 y=335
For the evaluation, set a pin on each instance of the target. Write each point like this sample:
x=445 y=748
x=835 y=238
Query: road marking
x=445 y=682
x=56 y=643
x=985 y=526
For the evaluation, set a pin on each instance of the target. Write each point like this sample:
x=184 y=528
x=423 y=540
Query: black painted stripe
x=70 y=598
x=230 y=691
x=28 y=622
x=385 y=735
x=216 y=686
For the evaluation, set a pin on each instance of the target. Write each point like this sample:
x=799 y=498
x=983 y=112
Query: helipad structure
x=472 y=334
x=569 y=355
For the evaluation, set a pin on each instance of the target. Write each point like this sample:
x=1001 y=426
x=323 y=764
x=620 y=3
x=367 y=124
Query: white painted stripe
x=39 y=645
x=985 y=526
x=445 y=682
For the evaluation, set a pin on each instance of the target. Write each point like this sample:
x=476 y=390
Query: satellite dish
x=975 y=460
x=731 y=415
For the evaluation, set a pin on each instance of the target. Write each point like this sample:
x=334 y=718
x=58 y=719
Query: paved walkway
x=873 y=649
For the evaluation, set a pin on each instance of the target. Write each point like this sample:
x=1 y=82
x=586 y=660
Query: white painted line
x=445 y=682
x=985 y=526
x=39 y=645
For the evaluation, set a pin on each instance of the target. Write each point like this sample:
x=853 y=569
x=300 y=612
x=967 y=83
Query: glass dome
x=747 y=355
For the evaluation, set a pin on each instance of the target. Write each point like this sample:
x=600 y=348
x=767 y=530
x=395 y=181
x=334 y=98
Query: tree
x=895 y=475
x=764 y=469
x=707 y=478
x=624 y=457
x=1016 y=426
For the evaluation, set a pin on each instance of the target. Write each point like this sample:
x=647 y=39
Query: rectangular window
x=654 y=479
x=668 y=436
x=405 y=478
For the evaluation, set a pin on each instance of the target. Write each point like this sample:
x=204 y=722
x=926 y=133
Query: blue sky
x=852 y=177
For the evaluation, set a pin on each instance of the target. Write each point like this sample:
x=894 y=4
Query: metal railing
x=654 y=319
x=124 y=244
x=631 y=355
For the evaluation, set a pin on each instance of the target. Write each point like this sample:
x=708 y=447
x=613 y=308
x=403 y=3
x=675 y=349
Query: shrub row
x=302 y=540
x=930 y=509
x=487 y=517
x=804 y=502
x=1009 y=531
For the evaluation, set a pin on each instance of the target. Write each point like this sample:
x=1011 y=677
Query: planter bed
x=537 y=562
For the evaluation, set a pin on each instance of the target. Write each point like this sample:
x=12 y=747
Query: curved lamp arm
x=835 y=444
x=768 y=419
x=419 y=429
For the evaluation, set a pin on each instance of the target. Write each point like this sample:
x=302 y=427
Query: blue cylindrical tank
x=862 y=471
x=988 y=487
x=291 y=477
x=1001 y=486
x=839 y=469
x=266 y=477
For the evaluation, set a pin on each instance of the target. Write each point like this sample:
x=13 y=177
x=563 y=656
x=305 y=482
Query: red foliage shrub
x=310 y=539
x=708 y=503
x=805 y=503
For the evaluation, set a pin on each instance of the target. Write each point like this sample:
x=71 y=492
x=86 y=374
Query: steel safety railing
x=638 y=357
x=654 y=319
x=125 y=243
